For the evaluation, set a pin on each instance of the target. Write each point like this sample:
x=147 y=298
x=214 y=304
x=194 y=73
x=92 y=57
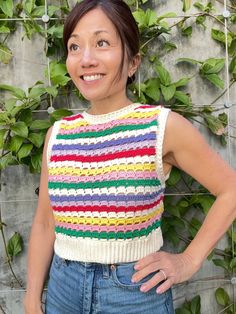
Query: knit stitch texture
x=106 y=184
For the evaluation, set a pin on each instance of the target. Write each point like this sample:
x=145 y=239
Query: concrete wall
x=17 y=196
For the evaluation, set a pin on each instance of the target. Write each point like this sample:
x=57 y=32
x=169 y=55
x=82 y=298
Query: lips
x=92 y=77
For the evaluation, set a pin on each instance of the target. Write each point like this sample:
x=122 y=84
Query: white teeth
x=92 y=77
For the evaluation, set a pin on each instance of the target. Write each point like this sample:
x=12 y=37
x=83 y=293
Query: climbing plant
x=22 y=132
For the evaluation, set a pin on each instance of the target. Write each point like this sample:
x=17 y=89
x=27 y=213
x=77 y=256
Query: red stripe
x=108 y=209
x=126 y=154
x=145 y=106
x=74 y=117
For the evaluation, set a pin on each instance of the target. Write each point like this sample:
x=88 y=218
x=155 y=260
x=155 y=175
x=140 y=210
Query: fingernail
x=133 y=280
x=143 y=288
x=136 y=266
x=158 y=291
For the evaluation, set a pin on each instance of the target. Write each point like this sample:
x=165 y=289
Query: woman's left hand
x=172 y=268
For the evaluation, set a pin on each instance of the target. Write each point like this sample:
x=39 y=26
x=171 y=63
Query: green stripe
x=103 y=184
x=113 y=130
x=109 y=235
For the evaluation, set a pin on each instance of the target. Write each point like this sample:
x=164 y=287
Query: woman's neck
x=107 y=106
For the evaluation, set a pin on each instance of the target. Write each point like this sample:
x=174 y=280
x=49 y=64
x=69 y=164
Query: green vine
x=22 y=132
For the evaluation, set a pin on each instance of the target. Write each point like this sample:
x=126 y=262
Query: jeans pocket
x=122 y=275
x=58 y=263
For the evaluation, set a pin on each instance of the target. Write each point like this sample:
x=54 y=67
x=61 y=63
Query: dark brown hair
x=120 y=15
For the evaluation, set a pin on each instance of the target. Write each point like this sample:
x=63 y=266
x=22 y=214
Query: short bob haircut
x=120 y=15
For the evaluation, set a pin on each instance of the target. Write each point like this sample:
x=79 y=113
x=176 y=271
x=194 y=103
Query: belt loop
x=105 y=270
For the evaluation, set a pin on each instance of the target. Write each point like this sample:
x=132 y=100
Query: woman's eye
x=102 y=43
x=73 y=47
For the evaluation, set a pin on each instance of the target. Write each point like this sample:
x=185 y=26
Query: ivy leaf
x=206 y=201
x=168 y=46
x=232 y=67
x=220 y=36
x=20 y=128
x=152 y=88
x=7 y=7
x=214 y=124
x=182 y=97
x=17 y=92
x=182 y=82
x=56 y=31
x=7 y=160
x=215 y=79
x=5 y=54
x=52 y=90
x=36 y=92
x=61 y=113
x=60 y=80
x=189 y=60
x=166 y=15
x=175 y=177
x=212 y=66
x=196 y=305
x=28 y=5
x=186 y=5
x=40 y=125
x=36 y=138
x=4 y=29
x=222 y=297
x=222 y=263
x=2 y=137
x=25 y=150
x=187 y=31
x=26 y=116
x=36 y=161
x=15 y=143
x=164 y=75
x=168 y=91
x=15 y=245
x=40 y=10
x=233 y=263
x=195 y=225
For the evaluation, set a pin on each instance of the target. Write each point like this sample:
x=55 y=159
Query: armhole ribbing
x=51 y=139
x=162 y=118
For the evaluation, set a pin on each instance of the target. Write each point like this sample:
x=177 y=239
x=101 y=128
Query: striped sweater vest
x=106 y=184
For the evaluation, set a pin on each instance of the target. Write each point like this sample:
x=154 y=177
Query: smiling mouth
x=89 y=78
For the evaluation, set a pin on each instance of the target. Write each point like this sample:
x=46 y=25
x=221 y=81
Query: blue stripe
x=105 y=197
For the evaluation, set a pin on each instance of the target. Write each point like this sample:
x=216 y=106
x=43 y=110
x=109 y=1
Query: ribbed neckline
x=101 y=118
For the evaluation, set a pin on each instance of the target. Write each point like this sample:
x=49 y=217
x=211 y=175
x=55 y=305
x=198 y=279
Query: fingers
x=165 y=286
x=148 y=285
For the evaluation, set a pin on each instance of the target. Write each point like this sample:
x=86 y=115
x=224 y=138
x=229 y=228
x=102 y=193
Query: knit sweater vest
x=106 y=184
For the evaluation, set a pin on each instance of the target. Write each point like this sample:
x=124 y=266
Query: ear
x=134 y=64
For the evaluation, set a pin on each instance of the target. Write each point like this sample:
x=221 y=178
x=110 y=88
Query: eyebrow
x=95 y=33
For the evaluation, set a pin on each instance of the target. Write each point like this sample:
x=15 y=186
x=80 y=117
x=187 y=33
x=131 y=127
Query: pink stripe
x=103 y=126
x=121 y=228
x=107 y=176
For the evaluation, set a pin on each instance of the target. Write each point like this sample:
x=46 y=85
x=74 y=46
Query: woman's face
x=94 y=58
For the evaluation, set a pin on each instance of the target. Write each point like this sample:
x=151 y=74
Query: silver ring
x=163 y=273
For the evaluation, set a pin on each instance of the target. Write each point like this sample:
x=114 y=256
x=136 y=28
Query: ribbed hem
x=107 y=251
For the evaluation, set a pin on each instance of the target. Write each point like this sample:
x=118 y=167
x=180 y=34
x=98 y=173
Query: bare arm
x=41 y=243
x=186 y=149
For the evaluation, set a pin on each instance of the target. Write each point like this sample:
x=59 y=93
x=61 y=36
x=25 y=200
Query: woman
x=106 y=170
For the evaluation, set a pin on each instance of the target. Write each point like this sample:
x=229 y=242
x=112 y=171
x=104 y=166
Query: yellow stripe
x=97 y=171
x=137 y=114
x=108 y=221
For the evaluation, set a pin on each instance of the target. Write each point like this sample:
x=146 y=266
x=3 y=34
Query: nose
x=88 y=58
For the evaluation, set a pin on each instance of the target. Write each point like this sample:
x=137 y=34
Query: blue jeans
x=92 y=288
